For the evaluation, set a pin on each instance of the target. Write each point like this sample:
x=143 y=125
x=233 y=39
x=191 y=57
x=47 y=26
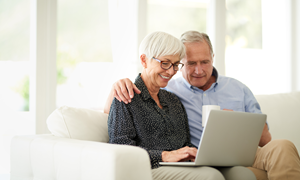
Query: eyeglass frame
x=169 y=62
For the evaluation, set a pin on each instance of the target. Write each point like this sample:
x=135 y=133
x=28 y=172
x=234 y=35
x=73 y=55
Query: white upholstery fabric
x=79 y=123
x=283 y=115
x=42 y=157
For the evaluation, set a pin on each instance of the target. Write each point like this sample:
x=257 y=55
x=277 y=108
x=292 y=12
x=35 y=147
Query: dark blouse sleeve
x=155 y=157
x=121 y=129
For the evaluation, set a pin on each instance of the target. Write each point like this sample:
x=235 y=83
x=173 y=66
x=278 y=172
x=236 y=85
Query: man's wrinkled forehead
x=190 y=45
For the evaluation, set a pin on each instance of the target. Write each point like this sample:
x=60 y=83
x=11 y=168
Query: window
x=176 y=17
x=14 y=76
x=243 y=59
x=83 y=52
x=258 y=42
x=244 y=24
x=14 y=55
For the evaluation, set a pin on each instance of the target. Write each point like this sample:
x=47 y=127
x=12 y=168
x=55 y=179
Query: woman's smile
x=165 y=77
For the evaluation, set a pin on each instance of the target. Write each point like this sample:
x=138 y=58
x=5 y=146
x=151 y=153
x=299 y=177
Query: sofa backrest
x=283 y=115
x=79 y=123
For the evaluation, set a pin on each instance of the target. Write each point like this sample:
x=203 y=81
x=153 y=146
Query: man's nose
x=198 y=69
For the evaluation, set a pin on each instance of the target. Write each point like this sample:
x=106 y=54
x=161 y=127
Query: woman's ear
x=143 y=59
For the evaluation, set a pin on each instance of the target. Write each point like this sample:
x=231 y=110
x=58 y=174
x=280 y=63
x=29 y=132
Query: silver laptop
x=229 y=139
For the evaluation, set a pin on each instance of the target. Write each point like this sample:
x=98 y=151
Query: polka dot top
x=142 y=123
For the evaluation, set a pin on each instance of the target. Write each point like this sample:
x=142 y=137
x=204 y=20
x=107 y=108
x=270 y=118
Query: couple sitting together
x=167 y=122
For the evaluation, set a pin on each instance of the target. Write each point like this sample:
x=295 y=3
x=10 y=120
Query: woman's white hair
x=159 y=44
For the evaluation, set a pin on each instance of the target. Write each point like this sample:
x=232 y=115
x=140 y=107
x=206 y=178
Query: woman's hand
x=182 y=154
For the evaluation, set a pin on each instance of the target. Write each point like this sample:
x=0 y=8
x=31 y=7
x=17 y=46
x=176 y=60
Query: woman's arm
x=121 y=128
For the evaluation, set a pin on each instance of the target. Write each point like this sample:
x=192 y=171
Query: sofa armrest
x=50 y=157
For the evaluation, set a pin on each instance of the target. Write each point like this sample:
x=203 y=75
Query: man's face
x=198 y=65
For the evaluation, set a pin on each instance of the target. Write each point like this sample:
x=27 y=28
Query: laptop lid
x=229 y=138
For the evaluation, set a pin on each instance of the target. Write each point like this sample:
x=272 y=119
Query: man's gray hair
x=195 y=36
x=159 y=44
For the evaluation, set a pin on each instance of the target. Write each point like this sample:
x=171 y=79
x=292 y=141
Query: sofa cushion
x=283 y=115
x=79 y=123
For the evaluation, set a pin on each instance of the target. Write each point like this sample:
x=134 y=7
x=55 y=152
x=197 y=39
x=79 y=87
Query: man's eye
x=165 y=64
x=190 y=63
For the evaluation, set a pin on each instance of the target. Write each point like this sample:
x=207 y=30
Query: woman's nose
x=171 y=71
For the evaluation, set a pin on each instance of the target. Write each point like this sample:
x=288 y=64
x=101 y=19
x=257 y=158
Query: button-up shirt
x=226 y=92
x=142 y=123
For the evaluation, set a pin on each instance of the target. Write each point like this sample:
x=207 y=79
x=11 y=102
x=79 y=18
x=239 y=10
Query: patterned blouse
x=142 y=123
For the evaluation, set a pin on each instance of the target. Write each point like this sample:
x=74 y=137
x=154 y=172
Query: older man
x=201 y=85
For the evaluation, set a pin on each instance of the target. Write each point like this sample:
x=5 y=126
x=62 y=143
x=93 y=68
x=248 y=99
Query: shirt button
x=204 y=94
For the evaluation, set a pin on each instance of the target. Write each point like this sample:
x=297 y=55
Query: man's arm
x=122 y=90
x=253 y=107
x=265 y=137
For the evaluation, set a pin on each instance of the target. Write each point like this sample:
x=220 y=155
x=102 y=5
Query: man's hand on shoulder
x=122 y=90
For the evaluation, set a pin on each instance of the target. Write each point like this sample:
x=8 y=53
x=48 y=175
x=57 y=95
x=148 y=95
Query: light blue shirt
x=226 y=92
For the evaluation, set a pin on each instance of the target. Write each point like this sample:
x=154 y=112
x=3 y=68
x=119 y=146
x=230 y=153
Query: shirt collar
x=142 y=87
x=145 y=93
x=214 y=73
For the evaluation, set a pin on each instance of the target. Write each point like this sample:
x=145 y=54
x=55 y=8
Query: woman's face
x=157 y=77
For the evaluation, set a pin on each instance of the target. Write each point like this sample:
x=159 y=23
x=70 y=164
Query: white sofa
x=77 y=149
x=283 y=115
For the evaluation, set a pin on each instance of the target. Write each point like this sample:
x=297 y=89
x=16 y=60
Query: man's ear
x=143 y=59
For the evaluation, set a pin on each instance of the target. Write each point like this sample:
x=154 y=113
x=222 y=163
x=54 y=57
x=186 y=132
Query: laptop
x=229 y=138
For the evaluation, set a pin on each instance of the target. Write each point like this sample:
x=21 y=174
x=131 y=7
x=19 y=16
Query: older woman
x=156 y=119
